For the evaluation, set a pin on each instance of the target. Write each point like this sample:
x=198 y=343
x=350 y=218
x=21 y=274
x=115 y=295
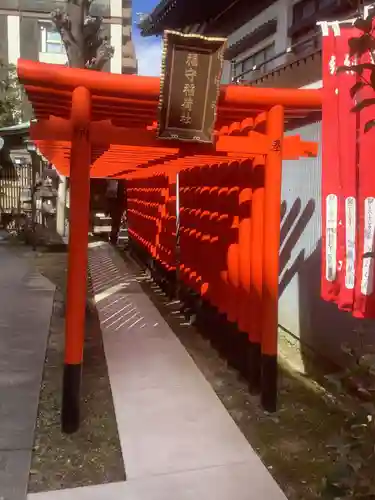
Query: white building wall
x=61 y=59
x=116 y=10
x=13 y=23
x=314 y=85
x=116 y=42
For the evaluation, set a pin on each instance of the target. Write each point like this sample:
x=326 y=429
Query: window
x=54 y=43
x=237 y=69
x=260 y=59
x=50 y=40
x=307 y=9
x=269 y=54
x=51 y=48
x=248 y=64
x=307 y=42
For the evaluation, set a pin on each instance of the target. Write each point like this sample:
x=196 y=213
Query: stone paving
x=177 y=439
x=26 y=301
x=230 y=482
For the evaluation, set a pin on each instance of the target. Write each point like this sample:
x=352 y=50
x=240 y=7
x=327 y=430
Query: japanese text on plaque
x=191 y=66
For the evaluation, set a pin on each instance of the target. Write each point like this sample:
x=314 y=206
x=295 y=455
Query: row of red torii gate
x=221 y=147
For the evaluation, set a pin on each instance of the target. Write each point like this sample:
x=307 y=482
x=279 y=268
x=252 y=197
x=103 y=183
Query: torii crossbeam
x=103 y=125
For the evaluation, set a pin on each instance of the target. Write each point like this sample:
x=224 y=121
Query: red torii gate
x=103 y=125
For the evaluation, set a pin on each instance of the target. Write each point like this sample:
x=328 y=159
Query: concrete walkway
x=26 y=301
x=177 y=439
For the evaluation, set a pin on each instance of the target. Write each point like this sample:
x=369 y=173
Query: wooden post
x=271 y=244
x=256 y=275
x=77 y=260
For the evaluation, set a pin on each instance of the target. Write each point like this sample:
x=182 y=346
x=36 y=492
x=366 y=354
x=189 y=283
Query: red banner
x=348 y=183
x=330 y=171
x=364 y=289
x=347 y=156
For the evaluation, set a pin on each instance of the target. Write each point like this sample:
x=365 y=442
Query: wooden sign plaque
x=190 y=86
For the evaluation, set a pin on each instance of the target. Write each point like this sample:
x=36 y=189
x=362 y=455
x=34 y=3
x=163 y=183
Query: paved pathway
x=178 y=441
x=26 y=301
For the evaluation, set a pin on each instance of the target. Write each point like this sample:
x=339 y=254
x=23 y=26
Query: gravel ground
x=93 y=454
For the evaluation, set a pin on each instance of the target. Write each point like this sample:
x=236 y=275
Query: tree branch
x=62 y=23
x=91 y=27
x=82 y=35
x=103 y=55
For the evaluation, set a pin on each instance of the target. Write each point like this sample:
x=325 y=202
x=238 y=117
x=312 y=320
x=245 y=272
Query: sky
x=148 y=49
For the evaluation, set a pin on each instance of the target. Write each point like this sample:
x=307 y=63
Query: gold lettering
x=192 y=60
x=189 y=89
x=186 y=119
x=188 y=103
x=190 y=74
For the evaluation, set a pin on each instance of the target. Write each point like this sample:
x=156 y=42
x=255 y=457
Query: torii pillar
x=77 y=261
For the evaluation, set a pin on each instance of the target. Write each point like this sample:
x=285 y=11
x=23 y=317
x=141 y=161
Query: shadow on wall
x=320 y=326
x=293 y=225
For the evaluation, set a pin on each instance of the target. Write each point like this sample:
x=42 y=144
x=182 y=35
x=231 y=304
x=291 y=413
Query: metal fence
x=15 y=188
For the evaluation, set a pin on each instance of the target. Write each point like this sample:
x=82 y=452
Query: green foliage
x=358 y=46
x=11 y=96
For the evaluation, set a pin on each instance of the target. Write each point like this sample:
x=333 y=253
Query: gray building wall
x=3 y=39
x=303 y=317
x=29 y=49
x=107 y=33
x=281 y=11
x=29 y=38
